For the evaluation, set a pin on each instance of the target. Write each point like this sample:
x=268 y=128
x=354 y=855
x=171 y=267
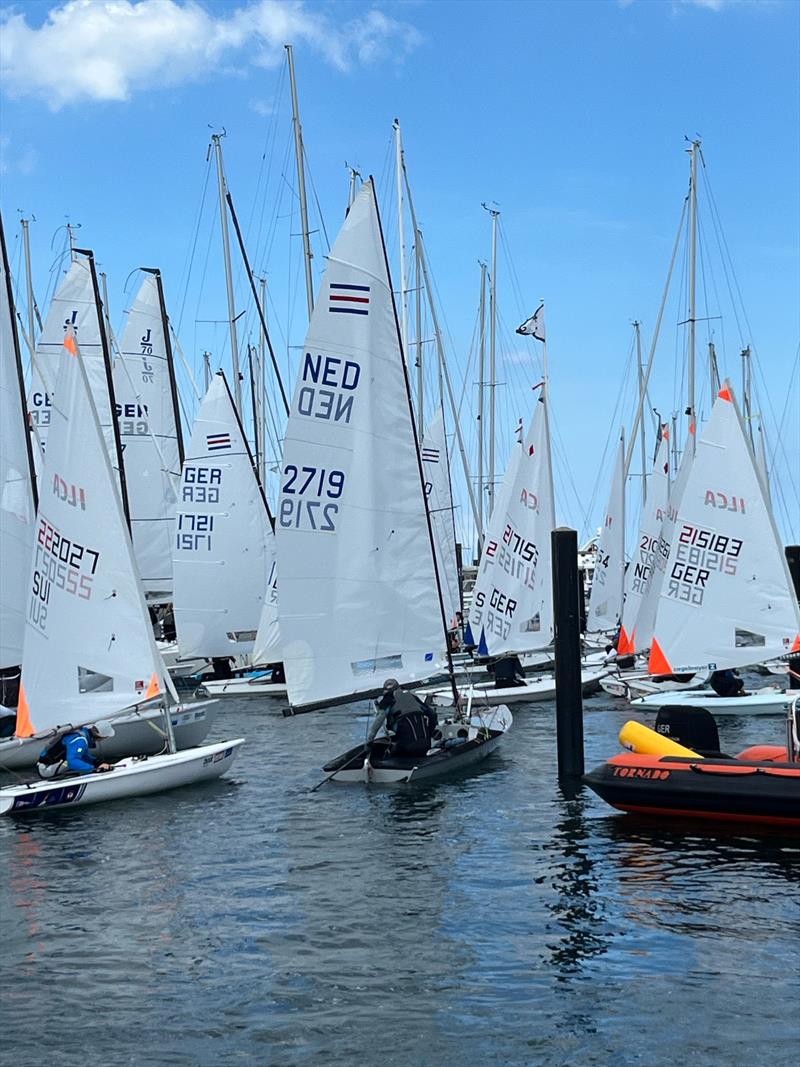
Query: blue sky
x=571 y=116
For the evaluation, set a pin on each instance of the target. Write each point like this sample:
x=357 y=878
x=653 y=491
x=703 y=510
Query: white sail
x=221 y=559
x=512 y=604
x=727 y=598
x=73 y=306
x=605 y=600
x=89 y=648
x=16 y=491
x=267 y=647
x=643 y=556
x=357 y=587
x=151 y=439
x=440 y=504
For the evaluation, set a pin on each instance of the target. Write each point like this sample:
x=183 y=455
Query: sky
x=570 y=117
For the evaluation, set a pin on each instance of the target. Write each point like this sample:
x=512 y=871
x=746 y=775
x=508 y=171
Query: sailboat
x=89 y=650
x=512 y=606
x=605 y=599
x=360 y=598
x=725 y=597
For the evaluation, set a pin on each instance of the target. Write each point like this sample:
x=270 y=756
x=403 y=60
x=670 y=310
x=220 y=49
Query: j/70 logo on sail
x=74 y=495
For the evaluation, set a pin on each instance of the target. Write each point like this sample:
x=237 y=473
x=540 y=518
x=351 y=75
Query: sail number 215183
x=308 y=498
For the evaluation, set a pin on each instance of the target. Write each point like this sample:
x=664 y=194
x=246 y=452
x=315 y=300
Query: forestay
x=16 y=483
x=73 y=306
x=726 y=598
x=512 y=609
x=605 y=600
x=89 y=647
x=221 y=554
x=643 y=558
x=150 y=433
x=440 y=504
x=358 y=599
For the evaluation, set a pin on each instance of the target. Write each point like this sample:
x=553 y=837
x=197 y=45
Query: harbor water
x=488 y=919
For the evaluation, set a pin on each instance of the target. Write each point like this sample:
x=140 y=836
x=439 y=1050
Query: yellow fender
x=639 y=738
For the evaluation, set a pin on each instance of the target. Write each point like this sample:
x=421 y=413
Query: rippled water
x=486 y=920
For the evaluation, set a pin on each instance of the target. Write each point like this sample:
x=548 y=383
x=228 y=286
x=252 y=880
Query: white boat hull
x=534 y=691
x=436 y=764
x=631 y=686
x=130 y=778
x=765 y=702
x=139 y=733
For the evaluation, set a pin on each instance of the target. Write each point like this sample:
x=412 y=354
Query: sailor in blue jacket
x=69 y=754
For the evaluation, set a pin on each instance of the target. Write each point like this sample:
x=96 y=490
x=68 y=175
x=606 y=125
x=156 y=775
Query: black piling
x=566 y=617
x=793 y=559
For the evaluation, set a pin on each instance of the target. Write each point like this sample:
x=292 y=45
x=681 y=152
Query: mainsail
x=221 y=554
x=440 y=504
x=358 y=599
x=74 y=306
x=89 y=648
x=605 y=601
x=726 y=599
x=150 y=432
x=512 y=608
x=643 y=557
x=17 y=492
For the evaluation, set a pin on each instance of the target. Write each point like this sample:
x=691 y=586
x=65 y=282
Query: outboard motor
x=695 y=728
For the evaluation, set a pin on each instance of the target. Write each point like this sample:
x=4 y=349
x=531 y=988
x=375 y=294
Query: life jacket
x=413 y=731
x=56 y=751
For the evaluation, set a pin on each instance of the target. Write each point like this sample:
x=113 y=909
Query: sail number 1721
x=317 y=488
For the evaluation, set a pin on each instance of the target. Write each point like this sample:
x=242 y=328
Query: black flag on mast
x=534 y=326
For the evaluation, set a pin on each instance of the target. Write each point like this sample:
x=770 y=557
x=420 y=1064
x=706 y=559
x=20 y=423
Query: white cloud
x=108 y=49
x=17 y=159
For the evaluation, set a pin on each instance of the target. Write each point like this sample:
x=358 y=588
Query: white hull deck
x=769 y=701
x=534 y=691
x=130 y=778
x=640 y=684
x=259 y=686
x=138 y=733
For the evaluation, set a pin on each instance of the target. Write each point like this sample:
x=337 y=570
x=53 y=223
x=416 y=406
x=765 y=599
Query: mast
x=431 y=543
x=420 y=359
x=351 y=194
x=642 y=447
x=18 y=363
x=492 y=353
x=216 y=140
x=252 y=359
x=691 y=410
x=106 y=317
x=259 y=308
x=262 y=360
x=26 y=245
x=713 y=370
x=481 y=372
x=301 y=181
x=173 y=385
x=206 y=369
x=71 y=235
x=101 y=322
x=398 y=149
x=440 y=354
x=747 y=385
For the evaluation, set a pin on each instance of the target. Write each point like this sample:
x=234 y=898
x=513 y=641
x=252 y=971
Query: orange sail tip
x=24 y=724
x=625 y=643
x=153 y=689
x=659 y=664
x=725 y=393
x=796 y=645
x=70 y=344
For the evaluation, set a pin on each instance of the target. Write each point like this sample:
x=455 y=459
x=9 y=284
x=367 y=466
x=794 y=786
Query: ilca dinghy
x=360 y=596
x=89 y=650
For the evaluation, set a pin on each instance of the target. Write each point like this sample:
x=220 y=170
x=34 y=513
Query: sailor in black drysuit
x=727 y=684
x=408 y=721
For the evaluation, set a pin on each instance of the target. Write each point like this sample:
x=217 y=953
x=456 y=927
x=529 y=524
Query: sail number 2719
x=317 y=488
